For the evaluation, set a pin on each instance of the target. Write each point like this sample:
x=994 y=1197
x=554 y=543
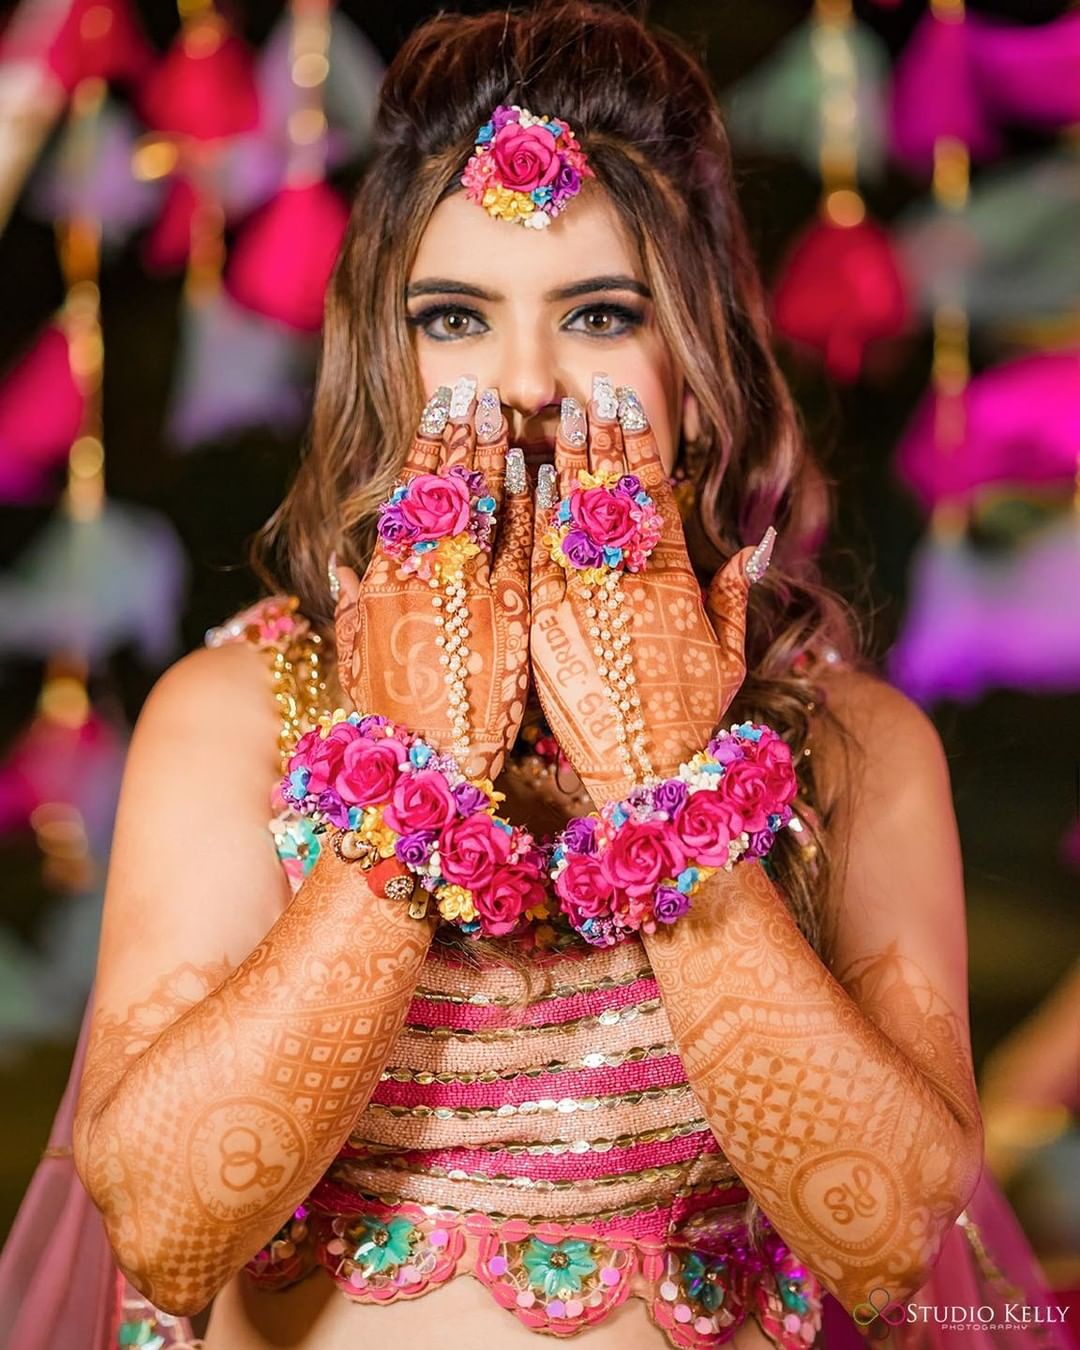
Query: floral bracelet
x=419 y=828
x=636 y=863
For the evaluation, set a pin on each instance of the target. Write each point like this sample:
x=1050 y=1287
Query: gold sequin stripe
x=608 y=1018
x=576 y=965
x=594 y=1060
x=565 y=1106
x=673 y=1172
x=551 y=1147
x=501 y=1216
x=469 y=1055
x=626 y=1115
x=483 y=1000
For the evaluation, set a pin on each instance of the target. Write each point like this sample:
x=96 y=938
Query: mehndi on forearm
x=860 y=1156
x=227 y=1120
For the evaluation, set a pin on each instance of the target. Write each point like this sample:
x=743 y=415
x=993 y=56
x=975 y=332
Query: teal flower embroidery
x=703 y=1281
x=792 y=1296
x=295 y=837
x=140 y=1333
x=557 y=1269
x=382 y=1246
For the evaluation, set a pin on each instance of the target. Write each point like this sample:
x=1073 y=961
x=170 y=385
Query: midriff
x=459 y=1315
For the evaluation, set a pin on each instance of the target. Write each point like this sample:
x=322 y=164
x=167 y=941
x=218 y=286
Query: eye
x=605 y=321
x=447 y=323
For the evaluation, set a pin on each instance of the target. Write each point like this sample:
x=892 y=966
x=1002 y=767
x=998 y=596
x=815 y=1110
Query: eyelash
x=632 y=318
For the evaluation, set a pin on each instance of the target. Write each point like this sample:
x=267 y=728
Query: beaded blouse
x=552 y=1148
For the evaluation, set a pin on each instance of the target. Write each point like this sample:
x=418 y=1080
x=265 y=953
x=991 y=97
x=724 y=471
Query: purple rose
x=669 y=904
x=414 y=849
x=503 y=113
x=760 y=843
x=333 y=808
x=581 y=551
x=567 y=183
x=580 y=835
x=629 y=483
x=670 y=795
x=726 y=749
x=370 y=722
x=469 y=799
x=394 y=528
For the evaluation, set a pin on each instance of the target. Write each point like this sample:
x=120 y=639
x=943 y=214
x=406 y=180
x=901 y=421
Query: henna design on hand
x=206 y=1117
x=386 y=630
x=854 y=1125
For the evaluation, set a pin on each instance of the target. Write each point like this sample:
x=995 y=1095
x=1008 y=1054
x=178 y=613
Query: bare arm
x=216 y=1094
x=846 y=1104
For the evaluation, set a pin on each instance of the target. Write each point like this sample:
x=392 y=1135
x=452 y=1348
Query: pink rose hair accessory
x=525 y=168
x=422 y=832
x=636 y=863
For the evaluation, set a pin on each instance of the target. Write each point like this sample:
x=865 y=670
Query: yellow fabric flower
x=455 y=902
x=330 y=720
x=374 y=832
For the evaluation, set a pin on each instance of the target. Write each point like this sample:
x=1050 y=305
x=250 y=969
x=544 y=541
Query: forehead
x=463 y=242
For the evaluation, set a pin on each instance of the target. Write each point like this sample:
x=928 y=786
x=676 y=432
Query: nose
x=529 y=380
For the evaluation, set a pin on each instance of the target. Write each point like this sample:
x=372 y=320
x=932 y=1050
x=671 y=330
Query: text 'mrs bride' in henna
x=606 y=945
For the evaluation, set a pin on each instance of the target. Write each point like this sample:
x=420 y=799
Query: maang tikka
x=525 y=168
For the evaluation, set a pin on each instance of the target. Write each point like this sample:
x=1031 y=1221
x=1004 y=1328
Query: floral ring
x=608 y=523
x=433 y=524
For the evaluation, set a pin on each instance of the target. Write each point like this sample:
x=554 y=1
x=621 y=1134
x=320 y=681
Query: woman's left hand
x=687 y=663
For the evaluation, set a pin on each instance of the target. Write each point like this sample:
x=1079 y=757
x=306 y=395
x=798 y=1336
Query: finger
x=606 y=451
x=511 y=559
x=426 y=450
x=727 y=597
x=643 y=460
x=570 y=445
x=547 y=580
x=459 y=438
x=491 y=437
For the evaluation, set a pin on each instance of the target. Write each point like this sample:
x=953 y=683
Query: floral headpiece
x=526 y=168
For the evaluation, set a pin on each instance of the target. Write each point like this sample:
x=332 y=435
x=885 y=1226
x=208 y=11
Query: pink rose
x=605 y=517
x=435 y=507
x=511 y=892
x=421 y=801
x=584 y=889
x=470 y=850
x=324 y=757
x=745 y=786
x=369 y=771
x=706 y=824
x=525 y=157
x=774 y=757
x=641 y=854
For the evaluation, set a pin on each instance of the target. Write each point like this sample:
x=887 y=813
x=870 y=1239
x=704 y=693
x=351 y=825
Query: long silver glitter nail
x=437 y=411
x=463 y=394
x=545 y=486
x=332 y=578
x=758 y=562
x=488 y=415
x=516 y=481
x=631 y=413
x=603 y=393
x=572 y=423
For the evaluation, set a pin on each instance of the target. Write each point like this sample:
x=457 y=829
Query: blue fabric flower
x=419 y=754
x=486 y=133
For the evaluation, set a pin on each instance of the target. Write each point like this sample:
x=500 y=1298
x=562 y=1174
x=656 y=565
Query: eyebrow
x=589 y=286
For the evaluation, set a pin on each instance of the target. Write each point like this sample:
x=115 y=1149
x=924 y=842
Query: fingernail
x=545 y=486
x=516 y=482
x=631 y=413
x=758 y=562
x=603 y=393
x=572 y=423
x=333 y=580
x=463 y=394
x=437 y=411
x=488 y=415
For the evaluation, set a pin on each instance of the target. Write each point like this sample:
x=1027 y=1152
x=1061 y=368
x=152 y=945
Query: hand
x=386 y=627
x=688 y=664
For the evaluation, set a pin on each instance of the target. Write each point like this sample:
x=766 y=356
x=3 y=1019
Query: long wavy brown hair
x=641 y=105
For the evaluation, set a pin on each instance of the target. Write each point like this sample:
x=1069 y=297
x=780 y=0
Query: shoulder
x=875 y=742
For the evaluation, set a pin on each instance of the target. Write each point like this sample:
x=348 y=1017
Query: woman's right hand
x=386 y=629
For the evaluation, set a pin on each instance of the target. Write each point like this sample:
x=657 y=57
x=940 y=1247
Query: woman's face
x=536 y=313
